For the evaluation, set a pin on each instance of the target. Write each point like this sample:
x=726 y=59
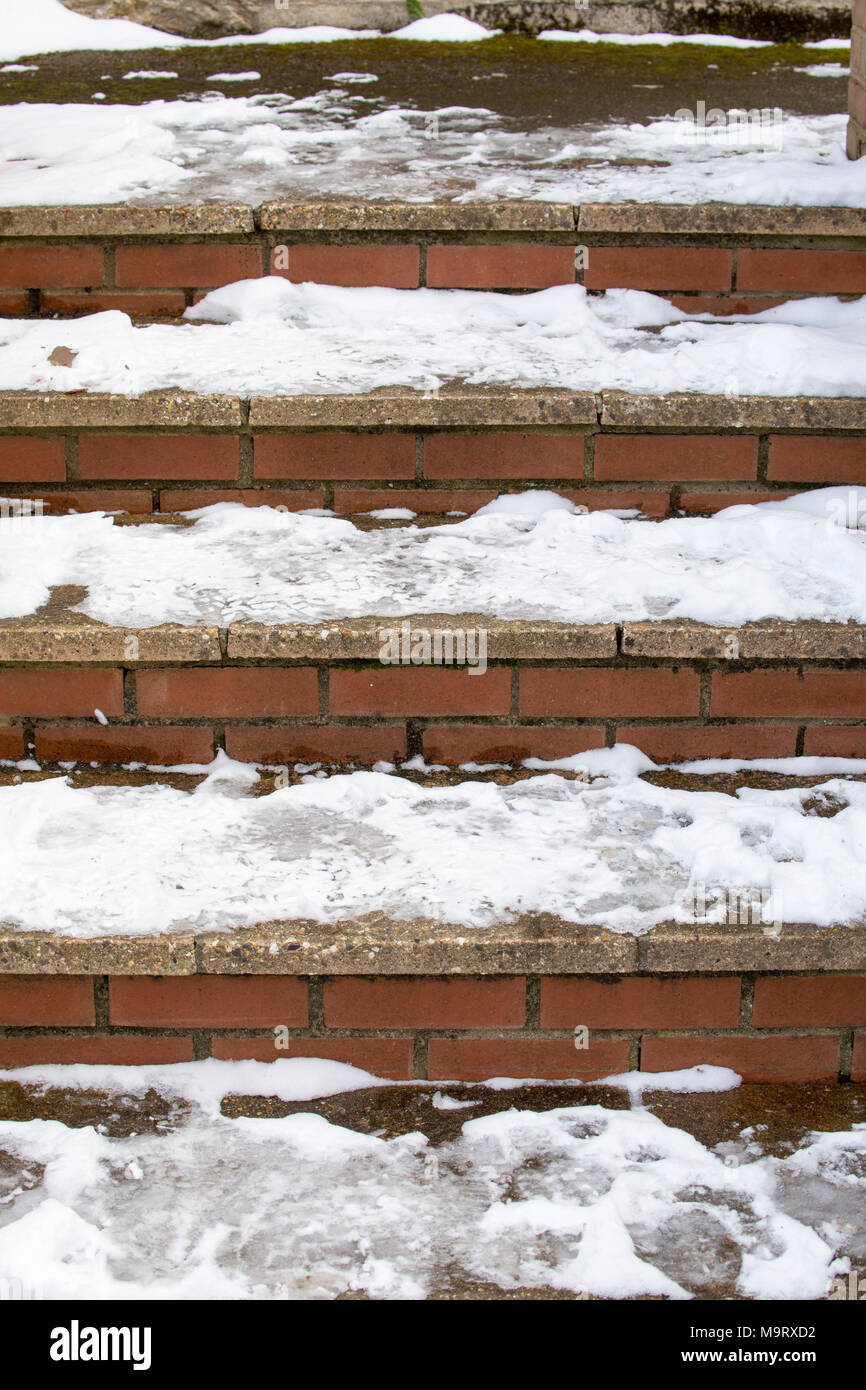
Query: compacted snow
x=339 y=143
x=585 y=1199
x=530 y=555
x=273 y=337
x=605 y=848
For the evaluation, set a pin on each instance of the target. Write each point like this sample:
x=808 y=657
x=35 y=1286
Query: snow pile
x=798 y=559
x=616 y=851
x=444 y=28
x=657 y=40
x=347 y=143
x=579 y=1198
x=279 y=338
x=47 y=26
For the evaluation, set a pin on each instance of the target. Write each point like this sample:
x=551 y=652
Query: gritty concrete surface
x=286 y=215
x=44 y=953
x=718 y=220
x=41 y=642
x=684 y=411
x=73 y=409
x=806 y=641
x=454 y=406
x=121 y=219
x=359 y=639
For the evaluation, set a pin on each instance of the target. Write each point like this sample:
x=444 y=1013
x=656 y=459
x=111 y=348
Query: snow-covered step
x=528 y=630
x=753 y=1192
x=452 y=450
x=610 y=915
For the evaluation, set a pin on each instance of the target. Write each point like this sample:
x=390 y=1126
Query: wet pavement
x=533 y=83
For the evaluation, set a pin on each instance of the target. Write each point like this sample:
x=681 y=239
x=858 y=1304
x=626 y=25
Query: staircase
x=426 y=998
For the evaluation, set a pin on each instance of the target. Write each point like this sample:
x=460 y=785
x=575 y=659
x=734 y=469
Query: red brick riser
x=683 y=470
x=770 y=1028
x=341 y=712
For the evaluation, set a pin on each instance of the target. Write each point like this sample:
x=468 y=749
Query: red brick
x=657 y=268
x=167 y=304
x=314 y=456
x=673 y=743
x=31 y=267
x=393 y=266
x=419 y=690
x=499 y=267
x=823 y=272
x=604 y=499
x=208 y=692
x=129 y=1051
x=640 y=1002
x=827 y=693
x=11 y=742
x=191 y=267
x=27 y=459
x=68 y=692
x=391 y=1057
x=51 y=1000
x=208 y=1001
x=606 y=693
x=816 y=459
x=348 y=500
x=312 y=743
x=717 y=501
x=190 y=499
x=145 y=456
x=722 y=304
x=479 y=1059
x=119 y=743
x=14 y=304
x=673 y=457
x=479 y=743
x=835 y=741
x=503 y=456
x=773 y=1058
x=794 y=1002
x=354 y=1001
x=99 y=500
x=858 y=1069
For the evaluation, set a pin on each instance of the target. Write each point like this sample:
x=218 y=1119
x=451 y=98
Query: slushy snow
x=604 y=848
x=273 y=337
x=341 y=142
x=583 y=1199
x=527 y=556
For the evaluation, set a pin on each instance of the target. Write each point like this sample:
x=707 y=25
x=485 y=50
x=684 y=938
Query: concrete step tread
x=588 y=865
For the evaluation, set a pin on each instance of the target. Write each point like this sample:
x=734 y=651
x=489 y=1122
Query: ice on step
x=526 y=556
x=615 y=851
x=582 y=1199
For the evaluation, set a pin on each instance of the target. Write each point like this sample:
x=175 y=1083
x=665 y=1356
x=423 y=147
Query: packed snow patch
x=613 y=851
x=268 y=336
x=583 y=1199
x=533 y=555
x=352 y=143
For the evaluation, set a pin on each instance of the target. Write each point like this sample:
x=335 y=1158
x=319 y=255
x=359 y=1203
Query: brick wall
x=780 y=1028
x=275 y=696
x=155 y=262
x=857 y=84
x=714 y=458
